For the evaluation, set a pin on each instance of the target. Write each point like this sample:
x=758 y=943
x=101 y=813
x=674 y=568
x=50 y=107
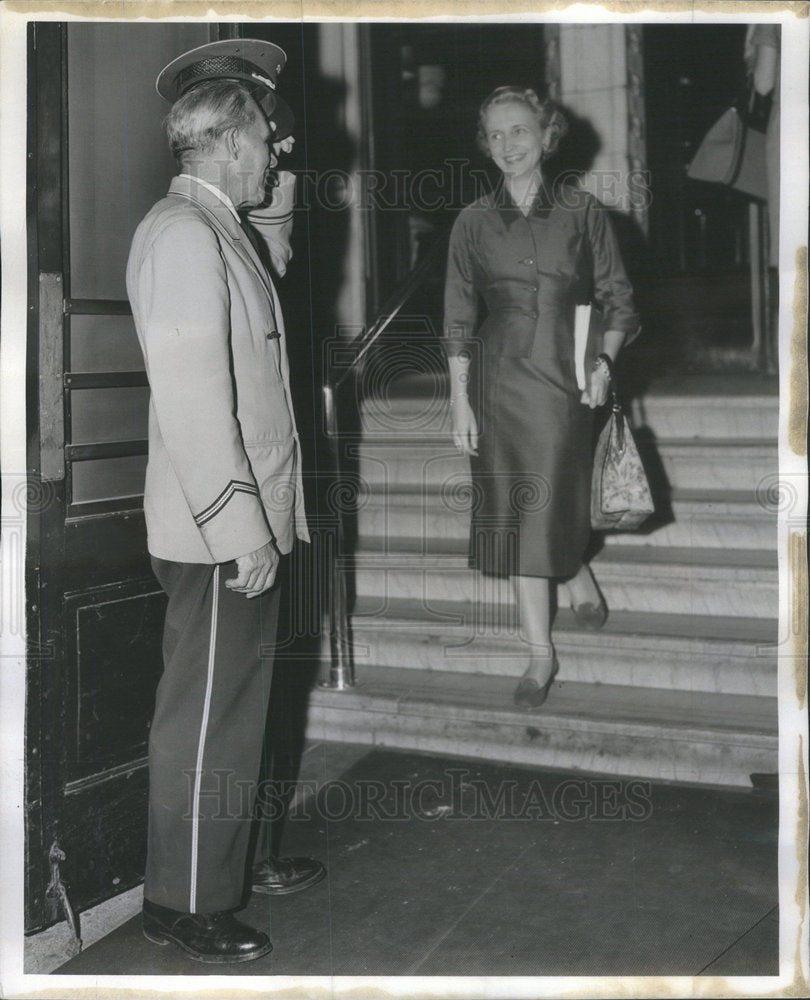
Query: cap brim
x=268 y=58
x=263 y=61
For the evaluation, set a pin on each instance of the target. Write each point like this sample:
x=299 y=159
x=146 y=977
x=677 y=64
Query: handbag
x=733 y=151
x=620 y=494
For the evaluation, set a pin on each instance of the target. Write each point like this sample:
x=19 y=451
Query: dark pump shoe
x=531 y=695
x=590 y=616
x=217 y=938
x=281 y=876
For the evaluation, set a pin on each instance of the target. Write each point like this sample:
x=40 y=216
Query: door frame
x=86 y=564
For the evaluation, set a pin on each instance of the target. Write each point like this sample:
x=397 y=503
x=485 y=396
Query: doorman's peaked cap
x=256 y=63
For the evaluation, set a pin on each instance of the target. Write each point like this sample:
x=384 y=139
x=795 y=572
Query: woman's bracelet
x=461 y=392
x=604 y=361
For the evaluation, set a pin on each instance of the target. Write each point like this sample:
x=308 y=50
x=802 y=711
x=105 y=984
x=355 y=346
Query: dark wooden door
x=98 y=160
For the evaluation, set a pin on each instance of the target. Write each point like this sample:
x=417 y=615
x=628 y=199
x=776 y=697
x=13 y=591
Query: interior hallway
x=571 y=874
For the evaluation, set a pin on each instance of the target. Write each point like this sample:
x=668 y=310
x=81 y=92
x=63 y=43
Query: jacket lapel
x=225 y=222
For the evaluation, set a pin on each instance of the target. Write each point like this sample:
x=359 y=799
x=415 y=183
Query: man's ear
x=231 y=137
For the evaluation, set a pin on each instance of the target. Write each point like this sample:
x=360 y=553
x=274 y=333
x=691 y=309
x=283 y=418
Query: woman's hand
x=598 y=388
x=464 y=426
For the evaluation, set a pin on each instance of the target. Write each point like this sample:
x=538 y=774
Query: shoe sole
x=288 y=890
x=164 y=939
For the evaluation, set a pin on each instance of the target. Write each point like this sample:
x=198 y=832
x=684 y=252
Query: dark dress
x=531 y=479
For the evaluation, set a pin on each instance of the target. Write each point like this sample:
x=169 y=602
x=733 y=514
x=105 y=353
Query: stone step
x=716 y=519
x=665 y=651
x=732 y=417
x=749 y=465
x=669 y=413
x=659 y=735
x=727 y=582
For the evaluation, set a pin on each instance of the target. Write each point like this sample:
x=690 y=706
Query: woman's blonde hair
x=548 y=115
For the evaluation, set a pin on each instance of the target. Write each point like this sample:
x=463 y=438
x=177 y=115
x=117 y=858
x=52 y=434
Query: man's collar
x=198 y=183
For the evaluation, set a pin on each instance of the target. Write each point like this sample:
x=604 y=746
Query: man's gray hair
x=203 y=114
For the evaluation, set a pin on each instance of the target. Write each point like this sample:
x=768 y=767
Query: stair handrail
x=341 y=668
x=389 y=310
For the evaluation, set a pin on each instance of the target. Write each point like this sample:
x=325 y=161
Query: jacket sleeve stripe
x=234 y=486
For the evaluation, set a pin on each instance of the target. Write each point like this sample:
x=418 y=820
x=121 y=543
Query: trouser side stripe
x=195 y=806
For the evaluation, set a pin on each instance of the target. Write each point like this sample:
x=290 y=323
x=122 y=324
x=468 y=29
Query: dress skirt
x=532 y=475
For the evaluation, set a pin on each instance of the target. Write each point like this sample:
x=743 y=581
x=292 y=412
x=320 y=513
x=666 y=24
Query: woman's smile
x=515 y=139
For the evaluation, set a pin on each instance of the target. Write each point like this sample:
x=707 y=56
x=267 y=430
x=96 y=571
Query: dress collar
x=508 y=210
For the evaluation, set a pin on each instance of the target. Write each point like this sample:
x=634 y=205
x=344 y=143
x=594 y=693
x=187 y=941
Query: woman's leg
x=534 y=605
x=582 y=587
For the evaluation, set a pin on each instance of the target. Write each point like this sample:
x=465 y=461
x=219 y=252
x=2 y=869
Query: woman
x=531 y=254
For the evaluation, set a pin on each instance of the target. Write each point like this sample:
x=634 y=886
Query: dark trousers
x=205 y=743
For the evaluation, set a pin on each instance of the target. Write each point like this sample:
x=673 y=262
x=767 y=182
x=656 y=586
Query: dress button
x=535 y=288
x=534 y=315
x=527 y=260
x=274 y=335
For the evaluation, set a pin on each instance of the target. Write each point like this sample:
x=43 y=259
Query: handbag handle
x=616 y=406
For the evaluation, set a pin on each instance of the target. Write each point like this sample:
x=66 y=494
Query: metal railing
x=341 y=670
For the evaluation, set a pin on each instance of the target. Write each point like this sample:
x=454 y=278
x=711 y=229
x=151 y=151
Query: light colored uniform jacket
x=224 y=471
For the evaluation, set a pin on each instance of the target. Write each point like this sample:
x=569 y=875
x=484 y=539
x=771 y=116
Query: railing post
x=341 y=671
x=341 y=668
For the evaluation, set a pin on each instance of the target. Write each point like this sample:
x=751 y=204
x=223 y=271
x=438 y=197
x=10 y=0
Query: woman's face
x=515 y=138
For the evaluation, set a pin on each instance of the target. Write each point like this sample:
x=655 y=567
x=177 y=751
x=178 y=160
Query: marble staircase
x=679 y=685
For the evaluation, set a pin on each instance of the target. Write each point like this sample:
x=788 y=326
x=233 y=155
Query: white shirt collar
x=215 y=190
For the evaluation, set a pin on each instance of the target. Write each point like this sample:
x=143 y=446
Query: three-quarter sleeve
x=611 y=287
x=460 y=294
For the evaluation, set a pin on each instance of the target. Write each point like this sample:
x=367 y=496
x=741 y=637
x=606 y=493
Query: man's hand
x=256 y=572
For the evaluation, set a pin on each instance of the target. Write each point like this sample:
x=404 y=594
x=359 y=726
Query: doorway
x=98 y=161
x=705 y=283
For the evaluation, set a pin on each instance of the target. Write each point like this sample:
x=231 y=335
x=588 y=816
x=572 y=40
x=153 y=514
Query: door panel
x=104 y=344
x=102 y=479
x=108 y=414
x=111 y=690
x=119 y=162
x=94 y=614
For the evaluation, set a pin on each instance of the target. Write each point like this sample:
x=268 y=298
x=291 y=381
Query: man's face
x=256 y=155
x=252 y=161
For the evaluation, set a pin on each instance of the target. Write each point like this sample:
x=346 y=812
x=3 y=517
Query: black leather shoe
x=217 y=938
x=281 y=876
